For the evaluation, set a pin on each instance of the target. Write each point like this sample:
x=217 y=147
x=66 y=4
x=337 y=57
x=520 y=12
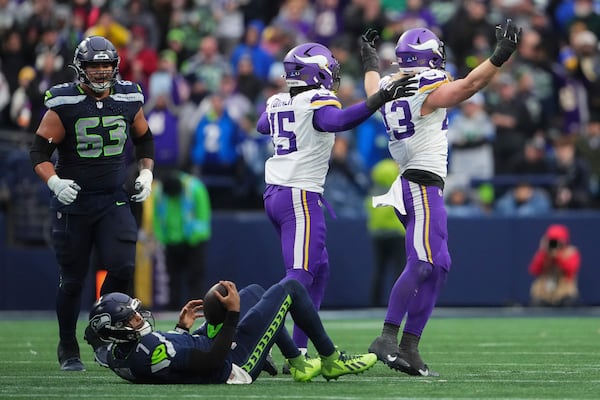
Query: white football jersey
x=301 y=153
x=418 y=142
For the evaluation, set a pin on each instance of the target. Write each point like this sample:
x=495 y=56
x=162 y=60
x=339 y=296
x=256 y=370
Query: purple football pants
x=300 y=223
x=416 y=290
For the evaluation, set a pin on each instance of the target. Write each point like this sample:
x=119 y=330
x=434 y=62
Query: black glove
x=508 y=38
x=368 y=53
x=403 y=87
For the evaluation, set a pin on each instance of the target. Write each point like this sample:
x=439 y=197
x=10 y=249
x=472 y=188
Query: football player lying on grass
x=233 y=352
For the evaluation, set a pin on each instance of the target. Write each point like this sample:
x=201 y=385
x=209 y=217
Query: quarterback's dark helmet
x=96 y=49
x=110 y=315
x=419 y=49
x=311 y=64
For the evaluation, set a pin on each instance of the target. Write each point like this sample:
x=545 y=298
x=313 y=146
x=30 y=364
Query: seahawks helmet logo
x=100 y=321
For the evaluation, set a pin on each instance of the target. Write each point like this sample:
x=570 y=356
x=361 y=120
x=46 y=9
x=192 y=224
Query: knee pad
x=251 y=294
x=254 y=289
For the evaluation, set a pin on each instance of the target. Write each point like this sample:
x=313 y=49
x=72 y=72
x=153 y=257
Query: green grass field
x=478 y=358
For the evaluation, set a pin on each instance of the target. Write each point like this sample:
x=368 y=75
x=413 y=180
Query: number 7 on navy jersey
x=282 y=132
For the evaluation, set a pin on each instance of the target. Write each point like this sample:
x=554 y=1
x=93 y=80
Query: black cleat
x=414 y=365
x=68 y=356
x=406 y=361
x=388 y=353
x=72 y=364
x=409 y=352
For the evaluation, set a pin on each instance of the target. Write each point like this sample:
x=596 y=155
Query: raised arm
x=370 y=60
x=453 y=93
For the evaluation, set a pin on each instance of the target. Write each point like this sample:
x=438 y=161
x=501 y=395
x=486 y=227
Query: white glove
x=143 y=186
x=66 y=190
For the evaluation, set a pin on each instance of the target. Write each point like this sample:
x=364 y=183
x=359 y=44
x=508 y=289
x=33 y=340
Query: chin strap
x=146 y=329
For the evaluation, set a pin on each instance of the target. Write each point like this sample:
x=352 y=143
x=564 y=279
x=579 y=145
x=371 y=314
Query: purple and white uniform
x=302 y=129
x=419 y=144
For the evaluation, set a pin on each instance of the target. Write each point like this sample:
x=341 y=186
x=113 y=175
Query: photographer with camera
x=555 y=266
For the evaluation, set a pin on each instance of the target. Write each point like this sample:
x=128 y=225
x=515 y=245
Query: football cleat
x=303 y=368
x=387 y=352
x=406 y=361
x=68 y=356
x=413 y=364
x=409 y=352
x=72 y=364
x=340 y=363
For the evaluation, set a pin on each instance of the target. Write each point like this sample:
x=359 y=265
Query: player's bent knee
x=293 y=286
x=253 y=289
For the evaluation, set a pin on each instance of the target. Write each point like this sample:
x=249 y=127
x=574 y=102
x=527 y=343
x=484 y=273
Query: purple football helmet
x=311 y=64
x=419 y=49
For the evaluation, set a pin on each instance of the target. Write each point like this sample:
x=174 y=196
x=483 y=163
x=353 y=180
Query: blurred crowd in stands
x=529 y=143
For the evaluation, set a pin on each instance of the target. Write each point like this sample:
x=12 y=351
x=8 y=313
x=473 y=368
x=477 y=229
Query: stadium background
x=490 y=258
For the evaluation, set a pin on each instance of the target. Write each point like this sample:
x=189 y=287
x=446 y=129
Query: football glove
x=403 y=87
x=66 y=190
x=507 y=38
x=368 y=53
x=143 y=185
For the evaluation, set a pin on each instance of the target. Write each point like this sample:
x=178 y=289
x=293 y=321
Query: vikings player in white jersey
x=417 y=127
x=302 y=124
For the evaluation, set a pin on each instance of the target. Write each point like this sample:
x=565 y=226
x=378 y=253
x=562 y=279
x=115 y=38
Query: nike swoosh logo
x=121 y=203
x=391 y=358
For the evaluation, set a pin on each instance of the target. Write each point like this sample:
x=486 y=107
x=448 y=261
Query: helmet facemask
x=96 y=50
x=100 y=80
x=111 y=315
x=311 y=65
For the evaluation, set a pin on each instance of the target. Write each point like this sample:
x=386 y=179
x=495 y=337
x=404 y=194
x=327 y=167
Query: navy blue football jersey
x=164 y=357
x=96 y=132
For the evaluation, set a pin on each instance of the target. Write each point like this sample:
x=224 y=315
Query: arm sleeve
x=41 y=150
x=262 y=125
x=333 y=119
x=144 y=145
x=200 y=361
